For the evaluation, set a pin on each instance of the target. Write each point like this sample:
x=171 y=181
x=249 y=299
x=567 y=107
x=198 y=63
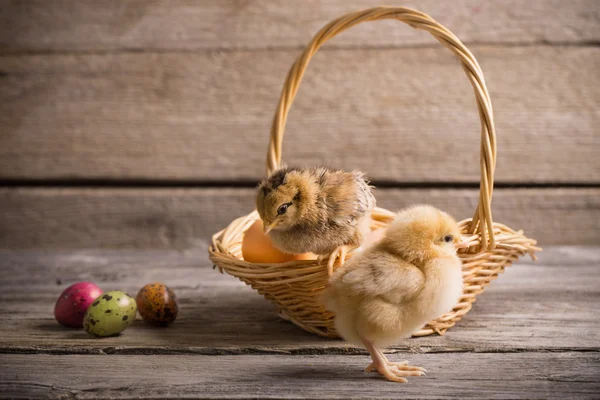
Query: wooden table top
x=533 y=333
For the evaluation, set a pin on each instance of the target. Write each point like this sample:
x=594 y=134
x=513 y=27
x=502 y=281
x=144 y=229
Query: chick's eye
x=282 y=209
x=448 y=238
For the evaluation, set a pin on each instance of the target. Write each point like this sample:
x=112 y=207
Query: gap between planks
x=326 y=48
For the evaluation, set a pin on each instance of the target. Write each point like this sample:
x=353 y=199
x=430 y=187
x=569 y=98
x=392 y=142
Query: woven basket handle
x=482 y=220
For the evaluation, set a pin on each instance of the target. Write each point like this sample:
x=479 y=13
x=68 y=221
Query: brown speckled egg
x=157 y=304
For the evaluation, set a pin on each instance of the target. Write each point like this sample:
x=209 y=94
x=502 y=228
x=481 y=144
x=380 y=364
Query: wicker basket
x=294 y=286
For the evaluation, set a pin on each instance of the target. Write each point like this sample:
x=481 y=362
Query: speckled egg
x=157 y=304
x=73 y=302
x=110 y=314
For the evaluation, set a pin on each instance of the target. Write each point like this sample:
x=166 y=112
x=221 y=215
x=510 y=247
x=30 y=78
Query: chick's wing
x=385 y=276
x=347 y=196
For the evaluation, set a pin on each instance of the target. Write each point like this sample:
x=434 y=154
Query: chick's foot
x=403 y=365
x=393 y=371
x=339 y=253
x=372 y=366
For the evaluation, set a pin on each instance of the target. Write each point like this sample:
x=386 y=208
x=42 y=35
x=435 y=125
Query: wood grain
x=402 y=115
x=534 y=334
x=546 y=306
x=493 y=376
x=75 y=25
x=181 y=218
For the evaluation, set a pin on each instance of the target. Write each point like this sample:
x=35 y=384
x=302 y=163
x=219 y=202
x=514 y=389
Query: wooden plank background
x=186 y=218
x=76 y=25
x=403 y=115
x=142 y=124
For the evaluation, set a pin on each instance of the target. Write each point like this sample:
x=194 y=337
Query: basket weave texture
x=295 y=286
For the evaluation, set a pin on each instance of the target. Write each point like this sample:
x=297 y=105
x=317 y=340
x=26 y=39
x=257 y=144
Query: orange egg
x=258 y=248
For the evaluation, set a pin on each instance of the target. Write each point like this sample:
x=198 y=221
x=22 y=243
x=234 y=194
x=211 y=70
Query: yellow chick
x=396 y=286
x=316 y=210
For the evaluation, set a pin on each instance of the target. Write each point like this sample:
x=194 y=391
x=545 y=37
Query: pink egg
x=74 y=302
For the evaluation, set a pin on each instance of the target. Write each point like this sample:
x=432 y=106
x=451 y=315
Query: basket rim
x=222 y=241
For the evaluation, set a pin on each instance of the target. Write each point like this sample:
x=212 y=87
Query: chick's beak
x=268 y=228
x=461 y=245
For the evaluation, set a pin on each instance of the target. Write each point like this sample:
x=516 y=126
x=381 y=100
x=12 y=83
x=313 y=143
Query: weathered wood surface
x=550 y=305
x=458 y=375
x=75 y=25
x=532 y=334
x=184 y=92
x=182 y=218
x=402 y=115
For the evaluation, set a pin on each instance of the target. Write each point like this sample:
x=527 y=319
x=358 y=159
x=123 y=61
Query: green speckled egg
x=110 y=314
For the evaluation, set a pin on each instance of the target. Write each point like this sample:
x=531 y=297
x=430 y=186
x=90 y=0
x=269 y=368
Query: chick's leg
x=341 y=253
x=392 y=371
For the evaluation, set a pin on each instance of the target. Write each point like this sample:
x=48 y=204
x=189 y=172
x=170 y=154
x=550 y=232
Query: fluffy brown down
x=324 y=209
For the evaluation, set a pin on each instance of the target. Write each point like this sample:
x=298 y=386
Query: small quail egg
x=73 y=302
x=110 y=314
x=157 y=304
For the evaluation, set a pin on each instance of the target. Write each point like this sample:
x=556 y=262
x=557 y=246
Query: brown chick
x=396 y=286
x=316 y=210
